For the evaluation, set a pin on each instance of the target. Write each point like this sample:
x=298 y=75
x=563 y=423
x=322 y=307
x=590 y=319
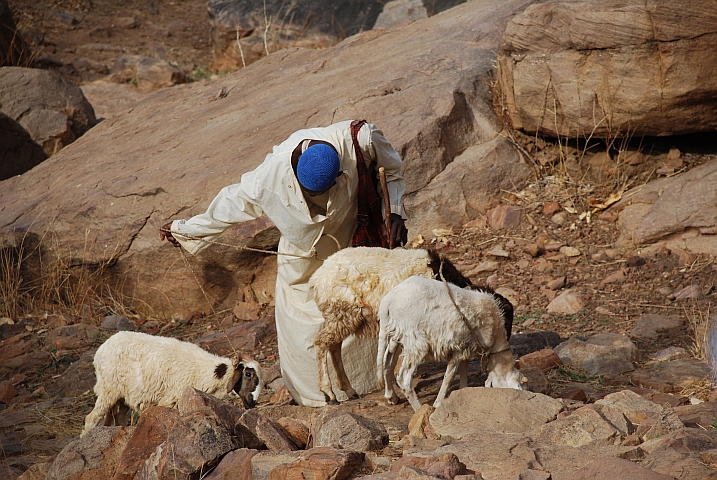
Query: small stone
x=534 y=250
x=551 y=208
x=559 y=218
x=576 y=394
x=504 y=217
x=568 y=302
x=498 y=252
x=553 y=246
x=558 y=283
x=635 y=261
x=117 y=322
x=125 y=22
x=690 y=291
x=619 y=276
x=570 y=251
x=669 y=353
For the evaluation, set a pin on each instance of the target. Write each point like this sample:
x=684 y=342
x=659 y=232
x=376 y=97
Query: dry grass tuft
x=78 y=288
x=65 y=416
x=699 y=389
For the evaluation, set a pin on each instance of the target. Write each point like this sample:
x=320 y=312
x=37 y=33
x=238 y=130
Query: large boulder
x=171 y=154
x=611 y=68
x=662 y=212
x=398 y=12
x=243 y=30
x=18 y=152
x=53 y=110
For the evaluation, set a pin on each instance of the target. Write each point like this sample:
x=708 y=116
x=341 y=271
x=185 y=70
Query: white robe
x=272 y=189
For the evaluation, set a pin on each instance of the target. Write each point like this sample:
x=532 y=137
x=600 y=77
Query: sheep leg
x=99 y=413
x=463 y=368
x=324 y=380
x=447 y=379
x=341 y=377
x=389 y=372
x=117 y=415
x=405 y=379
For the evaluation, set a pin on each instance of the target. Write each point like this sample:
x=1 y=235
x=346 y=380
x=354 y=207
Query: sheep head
x=249 y=380
x=513 y=379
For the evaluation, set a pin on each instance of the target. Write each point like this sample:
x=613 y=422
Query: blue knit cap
x=318 y=168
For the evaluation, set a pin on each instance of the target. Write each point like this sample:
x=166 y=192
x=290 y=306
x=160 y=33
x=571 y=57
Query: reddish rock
x=273 y=436
x=235 y=465
x=446 y=465
x=7 y=391
x=551 y=208
x=152 y=429
x=577 y=394
x=419 y=421
x=611 y=467
x=247 y=310
x=245 y=336
x=504 y=217
x=17 y=345
x=545 y=359
x=321 y=462
x=71 y=337
x=297 y=431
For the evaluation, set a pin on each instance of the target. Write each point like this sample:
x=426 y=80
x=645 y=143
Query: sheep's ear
x=220 y=370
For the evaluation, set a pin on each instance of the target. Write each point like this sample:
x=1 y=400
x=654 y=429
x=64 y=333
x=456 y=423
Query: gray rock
x=77 y=379
x=584 y=426
x=399 y=12
x=52 y=110
x=479 y=409
x=635 y=407
x=598 y=356
x=525 y=343
x=677 y=453
x=148 y=74
x=672 y=376
x=652 y=326
x=330 y=427
x=117 y=322
x=303 y=22
x=97 y=451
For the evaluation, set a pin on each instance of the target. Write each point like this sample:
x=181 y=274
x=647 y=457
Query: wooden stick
x=386 y=204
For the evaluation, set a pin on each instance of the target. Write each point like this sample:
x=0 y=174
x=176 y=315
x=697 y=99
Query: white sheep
x=348 y=289
x=419 y=317
x=135 y=371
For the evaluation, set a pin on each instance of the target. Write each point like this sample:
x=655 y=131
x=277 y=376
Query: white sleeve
x=380 y=150
x=231 y=206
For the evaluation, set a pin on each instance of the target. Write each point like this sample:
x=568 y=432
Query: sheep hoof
x=332 y=402
x=354 y=396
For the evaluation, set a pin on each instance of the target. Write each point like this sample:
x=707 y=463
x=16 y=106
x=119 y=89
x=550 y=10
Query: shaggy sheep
x=135 y=370
x=420 y=317
x=348 y=289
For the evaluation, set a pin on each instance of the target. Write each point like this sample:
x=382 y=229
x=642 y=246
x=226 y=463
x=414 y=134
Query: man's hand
x=399 y=233
x=165 y=233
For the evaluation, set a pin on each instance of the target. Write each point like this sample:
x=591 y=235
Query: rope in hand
x=239 y=247
x=484 y=352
